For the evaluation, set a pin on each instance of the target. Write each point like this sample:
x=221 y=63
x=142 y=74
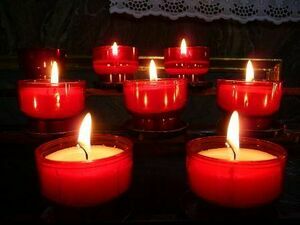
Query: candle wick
x=231 y=147
x=85 y=152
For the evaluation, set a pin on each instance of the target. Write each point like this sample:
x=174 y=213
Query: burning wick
x=85 y=152
x=228 y=145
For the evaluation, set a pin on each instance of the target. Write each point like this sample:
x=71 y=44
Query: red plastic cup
x=155 y=105
x=256 y=101
x=41 y=99
x=115 y=67
x=237 y=184
x=85 y=183
x=192 y=65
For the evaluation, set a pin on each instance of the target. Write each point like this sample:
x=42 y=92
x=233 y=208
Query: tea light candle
x=187 y=62
x=255 y=100
x=44 y=99
x=115 y=63
x=80 y=174
x=155 y=103
x=236 y=177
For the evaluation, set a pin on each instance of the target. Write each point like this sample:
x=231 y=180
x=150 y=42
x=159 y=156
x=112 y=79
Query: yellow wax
x=244 y=154
x=76 y=154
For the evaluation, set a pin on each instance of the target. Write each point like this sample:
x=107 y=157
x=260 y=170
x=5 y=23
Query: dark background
x=159 y=192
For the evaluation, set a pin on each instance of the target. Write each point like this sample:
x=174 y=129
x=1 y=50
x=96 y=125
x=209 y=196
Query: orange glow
x=246 y=101
x=166 y=101
x=145 y=100
x=34 y=103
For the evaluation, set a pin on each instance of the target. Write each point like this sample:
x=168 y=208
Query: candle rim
x=188 y=47
x=70 y=141
x=278 y=158
x=47 y=82
x=109 y=46
x=255 y=82
x=159 y=80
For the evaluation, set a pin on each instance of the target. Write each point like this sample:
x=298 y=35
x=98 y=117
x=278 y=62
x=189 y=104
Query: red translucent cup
x=85 y=183
x=40 y=99
x=236 y=184
x=192 y=65
x=115 y=68
x=155 y=105
x=36 y=63
x=255 y=101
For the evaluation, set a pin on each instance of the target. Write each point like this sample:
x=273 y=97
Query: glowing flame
x=233 y=132
x=54 y=73
x=152 y=70
x=249 y=72
x=183 y=50
x=114 y=48
x=84 y=136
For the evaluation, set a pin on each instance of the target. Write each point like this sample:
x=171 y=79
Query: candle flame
x=152 y=70
x=85 y=130
x=54 y=73
x=249 y=72
x=114 y=48
x=233 y=132
x=183 y=49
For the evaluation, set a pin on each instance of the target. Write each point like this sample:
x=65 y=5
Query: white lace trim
x=276 y=11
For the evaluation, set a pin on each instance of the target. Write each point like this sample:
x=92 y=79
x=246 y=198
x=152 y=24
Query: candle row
x=116 y=63
x=222 y=170
x=155 y=103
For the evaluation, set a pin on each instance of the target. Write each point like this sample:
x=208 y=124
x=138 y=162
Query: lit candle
x=222 y=172
x=54 y=99
x=187 y=62
x=155 y=103
x=115 y=63
x=80 y=173
x=233 y=151
x=84 y=150
x=255 y=100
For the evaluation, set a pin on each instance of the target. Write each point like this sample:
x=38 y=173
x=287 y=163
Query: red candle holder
x=115 y=68
x=237 y=184
x=51 y=107
x=36 y=63
x=192 y=65
x=256 y=101
x=155 y=105
x=84 y=183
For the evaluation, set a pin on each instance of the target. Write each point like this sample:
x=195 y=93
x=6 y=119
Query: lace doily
x=276 y=11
